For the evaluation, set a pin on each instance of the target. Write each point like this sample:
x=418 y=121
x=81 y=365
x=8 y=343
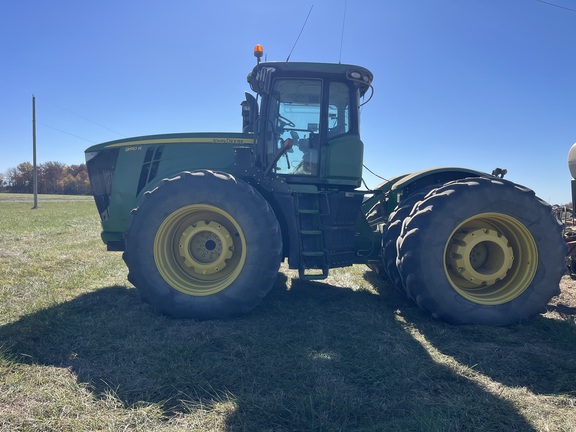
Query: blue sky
x=472 y=83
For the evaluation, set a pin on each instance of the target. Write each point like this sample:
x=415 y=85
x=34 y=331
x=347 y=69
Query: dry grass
x=80 y=352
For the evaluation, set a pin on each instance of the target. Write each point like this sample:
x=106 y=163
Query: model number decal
x=135 y=148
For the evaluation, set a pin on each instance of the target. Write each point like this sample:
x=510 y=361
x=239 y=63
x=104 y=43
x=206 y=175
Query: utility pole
x=35 y=181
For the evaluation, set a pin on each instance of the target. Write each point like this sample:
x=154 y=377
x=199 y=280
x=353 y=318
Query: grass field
x=80 y=352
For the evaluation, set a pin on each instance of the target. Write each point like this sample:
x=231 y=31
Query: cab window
x=338 y=109
x=295 y=113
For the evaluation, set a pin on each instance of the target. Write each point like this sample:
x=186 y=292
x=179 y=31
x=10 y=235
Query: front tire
x=203 y=245
x=481 y=251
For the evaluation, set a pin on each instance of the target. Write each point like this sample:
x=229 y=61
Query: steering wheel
x=285 y=122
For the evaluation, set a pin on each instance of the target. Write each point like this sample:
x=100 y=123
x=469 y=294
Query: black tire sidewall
x=425 y=232
x=393 y=231
x=250 y=211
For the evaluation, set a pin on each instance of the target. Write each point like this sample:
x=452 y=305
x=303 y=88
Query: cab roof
x=358 y=74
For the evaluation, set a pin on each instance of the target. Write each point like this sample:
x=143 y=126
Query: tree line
x=53 y=178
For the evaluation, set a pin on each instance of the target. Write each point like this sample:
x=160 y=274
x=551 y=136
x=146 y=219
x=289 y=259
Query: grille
x=101 y=172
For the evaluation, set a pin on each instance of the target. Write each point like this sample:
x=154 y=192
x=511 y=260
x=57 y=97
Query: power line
x=67 y=133
x=22 y=90
x=555 y=5
x=85 y=118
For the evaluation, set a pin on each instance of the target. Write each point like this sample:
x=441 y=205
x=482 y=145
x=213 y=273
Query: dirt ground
x=565 y=304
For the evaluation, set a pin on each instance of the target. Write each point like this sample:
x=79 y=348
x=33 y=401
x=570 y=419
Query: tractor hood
x=176 y=138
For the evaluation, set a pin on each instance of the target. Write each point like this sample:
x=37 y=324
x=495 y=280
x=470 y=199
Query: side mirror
x=249 y=113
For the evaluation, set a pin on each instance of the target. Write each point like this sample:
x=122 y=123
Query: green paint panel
x=136 y=171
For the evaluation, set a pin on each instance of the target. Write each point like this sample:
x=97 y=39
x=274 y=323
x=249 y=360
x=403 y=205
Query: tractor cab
x=307 y=121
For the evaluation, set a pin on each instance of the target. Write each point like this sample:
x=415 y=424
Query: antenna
x=342 y=35
x=301 y=30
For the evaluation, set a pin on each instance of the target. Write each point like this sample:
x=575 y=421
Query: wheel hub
x=481 y=256
x=205 y=247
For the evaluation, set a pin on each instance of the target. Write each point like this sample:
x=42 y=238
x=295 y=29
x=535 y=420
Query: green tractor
x=206 y=219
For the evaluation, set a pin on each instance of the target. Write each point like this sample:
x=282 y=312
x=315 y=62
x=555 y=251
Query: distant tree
x=75 y=170
x=20 y=179
x=2 y=182
x=53 y=178
x=76 y=181
x=52 y=175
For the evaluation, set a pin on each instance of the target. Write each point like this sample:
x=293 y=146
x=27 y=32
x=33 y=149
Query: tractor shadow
x=539 y=355
x=312 y=357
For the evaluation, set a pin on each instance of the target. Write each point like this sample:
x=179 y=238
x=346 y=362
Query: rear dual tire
x=480 y=251
x=391 y=234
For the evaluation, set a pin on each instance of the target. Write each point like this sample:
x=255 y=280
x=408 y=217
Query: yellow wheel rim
x=199 y=250
x=490 y=258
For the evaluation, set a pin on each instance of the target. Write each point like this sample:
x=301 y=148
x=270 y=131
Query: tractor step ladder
x=312 y=254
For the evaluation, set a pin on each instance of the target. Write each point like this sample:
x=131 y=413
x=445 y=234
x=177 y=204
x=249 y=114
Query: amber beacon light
x=258 y=52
